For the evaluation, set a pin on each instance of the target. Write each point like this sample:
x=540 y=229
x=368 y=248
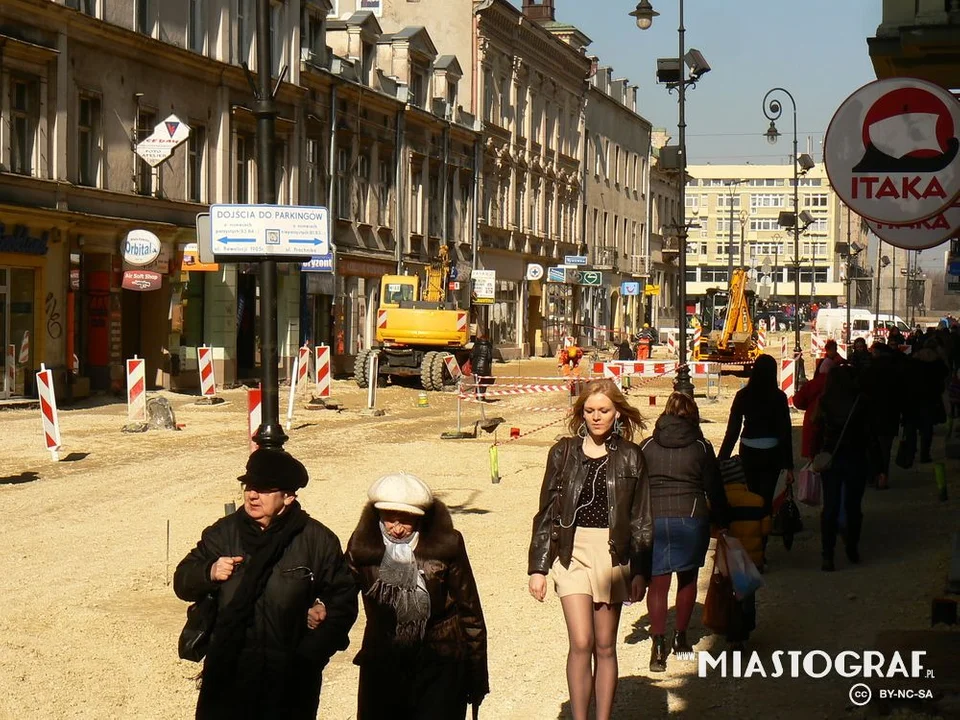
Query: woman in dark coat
x=285 y=597
x=760 y=417
x=684 y=478
x=593 y=531
x=481 y=363
x=424 y=652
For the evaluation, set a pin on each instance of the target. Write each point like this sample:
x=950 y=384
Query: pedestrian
x=424 y=650
x=285 y=598
x=593 y=532
x=760 y=418
x=481 y=363
x=624 y=350
x=807 y=398
x=882 y=385
x=749 y=522
x=685 y=490
x=923 y=408
x=847 y=431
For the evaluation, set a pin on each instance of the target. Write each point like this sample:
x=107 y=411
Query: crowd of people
x=618 y=517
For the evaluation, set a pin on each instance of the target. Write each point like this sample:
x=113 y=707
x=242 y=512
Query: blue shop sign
x=20 y=241
x=629 y=288
x=318 y=263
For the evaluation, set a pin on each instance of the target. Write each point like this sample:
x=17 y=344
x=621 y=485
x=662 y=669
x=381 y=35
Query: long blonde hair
x=630 y=420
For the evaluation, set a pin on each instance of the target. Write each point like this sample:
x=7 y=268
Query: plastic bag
x=809 y=486
x=780 y=493
x=744 y=575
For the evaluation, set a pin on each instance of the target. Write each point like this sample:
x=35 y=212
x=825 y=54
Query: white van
x=829 y=322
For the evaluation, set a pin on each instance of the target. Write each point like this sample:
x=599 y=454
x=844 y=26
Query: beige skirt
x=591 y=572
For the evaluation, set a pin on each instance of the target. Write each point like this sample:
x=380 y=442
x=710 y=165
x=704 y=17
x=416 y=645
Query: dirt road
x=89 y=623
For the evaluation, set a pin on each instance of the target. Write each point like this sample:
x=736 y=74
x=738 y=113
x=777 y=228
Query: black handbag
x=195 y=636
x=787 y=522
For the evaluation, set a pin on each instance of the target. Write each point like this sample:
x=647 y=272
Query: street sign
x=891 y=150
x=318 y=263
x=574 y=259
x=484 y=286
x=591 y=278
x=922 y=234
x=556 y=274
x=166 y=136
x=204 y=240
x=290 y=231
x=651 y=290
x=629 y=288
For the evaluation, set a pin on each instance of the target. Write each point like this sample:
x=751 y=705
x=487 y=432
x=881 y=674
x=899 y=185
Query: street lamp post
x=671 y=72
x=772 y=110
x=777 y=237
x=743 y=221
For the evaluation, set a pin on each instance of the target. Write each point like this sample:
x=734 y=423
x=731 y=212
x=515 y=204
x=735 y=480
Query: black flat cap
x=271 y=469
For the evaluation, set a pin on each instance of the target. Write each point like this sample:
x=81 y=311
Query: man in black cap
x=285 y=598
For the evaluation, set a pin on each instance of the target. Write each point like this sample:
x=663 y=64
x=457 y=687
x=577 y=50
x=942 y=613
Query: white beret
x=402 y=492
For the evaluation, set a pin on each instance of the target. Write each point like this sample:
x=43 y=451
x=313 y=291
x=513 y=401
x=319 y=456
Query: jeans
x=846 y=479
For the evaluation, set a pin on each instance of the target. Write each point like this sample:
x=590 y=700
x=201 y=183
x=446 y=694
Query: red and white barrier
x=652 y=368
x=453 y=367
x=136 y=390
x=208 y=379
x=788 y=370
x=697 y=332
x=761 y=339
x=10 y=373
x=303 y=365
x=253 y=415
x=25 y=348
x=48 y=412
x=671 y=345
x=784 y=351
x=322 y=378
x=817 y=345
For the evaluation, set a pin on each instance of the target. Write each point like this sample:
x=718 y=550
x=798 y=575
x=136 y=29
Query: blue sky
x=816 y=49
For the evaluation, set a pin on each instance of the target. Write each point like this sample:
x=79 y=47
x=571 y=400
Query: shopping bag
x=780 y=492
x=744 y=575
x=809 y=486
x=787 y=522
x=720 y=603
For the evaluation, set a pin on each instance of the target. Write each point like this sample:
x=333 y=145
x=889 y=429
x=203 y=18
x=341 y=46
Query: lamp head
x=772 y=133
x=806 y=218
x=805 y=162
x=644 y=14
x=697 y=63
x=785 y=219
x=884 y=261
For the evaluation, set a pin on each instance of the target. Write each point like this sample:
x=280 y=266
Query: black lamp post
x=772 y=110
x=670 y=71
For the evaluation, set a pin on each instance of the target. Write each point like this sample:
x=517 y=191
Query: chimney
x=539 y=10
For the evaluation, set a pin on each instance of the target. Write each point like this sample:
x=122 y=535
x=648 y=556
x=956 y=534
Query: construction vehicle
x=417 y=329
x=728 y=331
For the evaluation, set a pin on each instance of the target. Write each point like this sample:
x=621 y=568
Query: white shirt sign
x=891 y=150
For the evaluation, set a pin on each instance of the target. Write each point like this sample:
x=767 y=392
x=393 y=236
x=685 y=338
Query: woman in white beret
x=424 y=651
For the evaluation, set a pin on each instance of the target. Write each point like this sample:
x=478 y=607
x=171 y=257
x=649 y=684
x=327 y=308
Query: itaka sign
x=891 y=150
x=922 y=234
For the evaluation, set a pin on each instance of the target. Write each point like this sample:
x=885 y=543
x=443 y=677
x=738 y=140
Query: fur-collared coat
x=455 y=630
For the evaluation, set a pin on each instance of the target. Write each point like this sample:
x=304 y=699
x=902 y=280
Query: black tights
x=657 y=600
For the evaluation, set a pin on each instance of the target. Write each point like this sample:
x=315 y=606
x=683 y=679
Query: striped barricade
x=322 y=366
x=136 y=390
x=254 y=417
x=208 y=379
x=48 y=412
x=788 y=370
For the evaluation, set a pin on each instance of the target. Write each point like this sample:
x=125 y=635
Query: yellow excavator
x=728 y=331
x=417 y=328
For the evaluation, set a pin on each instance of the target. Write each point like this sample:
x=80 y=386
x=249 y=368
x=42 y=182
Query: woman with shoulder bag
x=843 y=460
x=594 y=532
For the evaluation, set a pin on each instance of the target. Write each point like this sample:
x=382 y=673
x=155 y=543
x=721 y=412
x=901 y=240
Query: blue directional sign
x=556 y=274
x=574 y=259
x=269 y=230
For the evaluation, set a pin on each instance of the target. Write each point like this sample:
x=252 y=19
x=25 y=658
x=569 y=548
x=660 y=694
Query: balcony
x=918 y=39
x=604 y=257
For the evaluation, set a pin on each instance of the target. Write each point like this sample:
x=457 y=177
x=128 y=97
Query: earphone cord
x=593 y=496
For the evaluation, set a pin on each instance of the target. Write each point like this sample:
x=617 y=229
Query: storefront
x=506 y=317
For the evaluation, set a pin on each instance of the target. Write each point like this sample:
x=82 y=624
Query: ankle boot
x=658 y=654
x=680 y=643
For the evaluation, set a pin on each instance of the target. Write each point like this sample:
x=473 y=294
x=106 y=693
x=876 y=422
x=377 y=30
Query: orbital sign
x=922 y=234
x=891 y=150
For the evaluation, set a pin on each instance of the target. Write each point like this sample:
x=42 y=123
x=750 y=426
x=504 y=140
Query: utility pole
x=270 y=434
x=849 y=258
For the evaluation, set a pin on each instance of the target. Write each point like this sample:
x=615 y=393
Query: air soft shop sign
x=891 y=152
x=141 y=280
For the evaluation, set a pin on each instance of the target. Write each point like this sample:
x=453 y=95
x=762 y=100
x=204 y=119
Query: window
x=534 y=211
x=691 y=201
x=535 y=120
x=88 y=141
x=277 y=37
x=312 y=38
x=488 y=94
x=766 y=182
x=596 y=226
x=315 y=173
x=280 y=172
x=24 y=116
x=616 y=164
x=342 y=200
x=146 y=14
x=723 y=225
x=505 y=103
x=435 y=210
x=452 y=94
x=808 y=182
x=548 y=214
x=87 y=7
x=818 y=200
x=503 y=313
x=243 y=158
x=764 y=224
x=574 y=136
x=693 y=182
x=521 y=111
x=384 y=181
x=246 y=22
x=561 y=132
x=549 y=139
x=726 y=200
x=518 y=204
x=767 y=200
x=416 y=203
x=195 y=25
x=146 y=124
x=416 y=87
x=598 y=157
x=363 y=186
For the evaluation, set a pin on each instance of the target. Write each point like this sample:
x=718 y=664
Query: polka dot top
x=592 y=507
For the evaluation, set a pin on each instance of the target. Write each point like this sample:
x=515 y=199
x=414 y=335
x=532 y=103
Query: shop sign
x=923 y=234
x=163 y=141
x=589 y=278
x=141 y=280
x=534 y=271
x=191 y=260
x=484 y=287
x=141 y=247
x=20 y=241
x=318 y=263
x=891 y=150
x=629 y=288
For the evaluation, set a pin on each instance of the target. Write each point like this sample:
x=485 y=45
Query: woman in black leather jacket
x=594 y=532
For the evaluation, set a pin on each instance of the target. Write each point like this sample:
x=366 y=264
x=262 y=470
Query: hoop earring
x=582 y=431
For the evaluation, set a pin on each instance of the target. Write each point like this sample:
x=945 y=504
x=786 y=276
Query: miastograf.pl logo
x=815 y=664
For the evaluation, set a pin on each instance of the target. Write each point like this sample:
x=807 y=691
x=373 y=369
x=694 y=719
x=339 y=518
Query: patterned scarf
x=401 y=586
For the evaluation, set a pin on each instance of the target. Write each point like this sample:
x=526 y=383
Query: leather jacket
x=628 y=494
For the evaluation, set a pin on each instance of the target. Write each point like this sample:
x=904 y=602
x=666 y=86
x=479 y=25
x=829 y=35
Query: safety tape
x=531 y=432
x=555 y=378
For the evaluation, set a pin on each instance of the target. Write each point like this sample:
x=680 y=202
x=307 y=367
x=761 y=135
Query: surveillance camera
x=696 y=62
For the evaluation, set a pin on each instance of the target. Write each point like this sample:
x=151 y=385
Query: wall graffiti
x=54 y=327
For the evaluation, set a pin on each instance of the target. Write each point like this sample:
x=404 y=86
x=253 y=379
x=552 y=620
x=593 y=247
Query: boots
x=658 y=654
x=680 y=642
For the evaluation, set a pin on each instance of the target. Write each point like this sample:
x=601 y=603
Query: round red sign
x=891 y=150
x=922 y=234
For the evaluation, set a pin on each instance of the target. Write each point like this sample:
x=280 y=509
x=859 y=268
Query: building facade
x=365 y=127
x=735 y=212
x=663 y=222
